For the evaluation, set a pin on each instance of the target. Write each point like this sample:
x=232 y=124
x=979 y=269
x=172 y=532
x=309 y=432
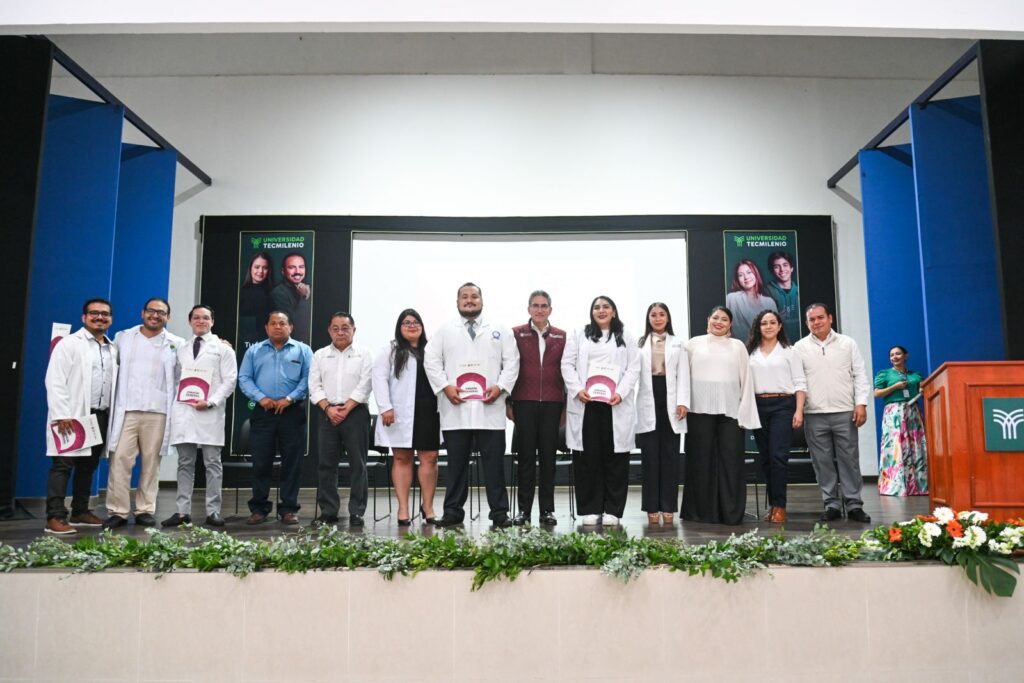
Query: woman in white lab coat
x=662 y=399
x=601 y=432
x=408 y=420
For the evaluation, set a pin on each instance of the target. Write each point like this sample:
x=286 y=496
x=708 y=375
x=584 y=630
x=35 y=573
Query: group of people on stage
x=611 y=391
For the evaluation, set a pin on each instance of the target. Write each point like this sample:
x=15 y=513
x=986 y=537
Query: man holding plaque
x=148 y=355
x=537 y=404
x=470 y=362
x=339 y=385
x=208 y=376
x=80 y=382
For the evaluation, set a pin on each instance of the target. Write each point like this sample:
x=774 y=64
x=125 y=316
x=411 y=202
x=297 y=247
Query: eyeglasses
x=155 y=311
x=341 y=330
x=97 y=314
x=411 y=323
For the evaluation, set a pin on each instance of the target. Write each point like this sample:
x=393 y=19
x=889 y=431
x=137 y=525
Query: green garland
x=498 y=555
x=965 y=539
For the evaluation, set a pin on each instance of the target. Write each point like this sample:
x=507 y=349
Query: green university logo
x=739 y=240
x=1004 y=424
x=256 y=242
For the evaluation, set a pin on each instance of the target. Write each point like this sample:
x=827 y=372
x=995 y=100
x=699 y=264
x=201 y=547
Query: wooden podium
x=969 y=469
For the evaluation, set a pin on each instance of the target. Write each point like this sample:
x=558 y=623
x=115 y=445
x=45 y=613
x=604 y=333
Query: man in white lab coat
x=199 y=425
x=142 y=406
x=470 y=363
x=80 y=381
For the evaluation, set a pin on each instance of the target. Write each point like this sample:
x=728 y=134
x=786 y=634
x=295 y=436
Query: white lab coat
x=677 y=386
x=397 y=394
x=124 y=341
x=69 y=384
x=205 y=427
x=494 y=347
x=575 y=366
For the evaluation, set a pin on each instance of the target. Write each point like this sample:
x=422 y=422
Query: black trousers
x=537 y=429
x=490 y=443
x=774 y=440
x=270 y=434
x=602 y=475
x=714 y=489
x=84 y=467
x=351 y=437
x=659 y=457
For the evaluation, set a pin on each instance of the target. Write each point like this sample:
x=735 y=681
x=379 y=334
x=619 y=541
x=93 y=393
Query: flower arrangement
x=968 y=539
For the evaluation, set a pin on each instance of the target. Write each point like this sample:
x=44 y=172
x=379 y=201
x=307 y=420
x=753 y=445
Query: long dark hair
x=755 y=338
x=268 y=281
x=401 y=347
x=593 y=331
x=648 y=330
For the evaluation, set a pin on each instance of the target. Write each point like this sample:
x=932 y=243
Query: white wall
x=520 y=146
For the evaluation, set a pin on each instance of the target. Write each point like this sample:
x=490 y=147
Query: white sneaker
x=609 y=520
x=590 y=520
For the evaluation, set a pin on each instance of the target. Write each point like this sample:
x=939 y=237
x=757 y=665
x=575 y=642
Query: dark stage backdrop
x=706 y=270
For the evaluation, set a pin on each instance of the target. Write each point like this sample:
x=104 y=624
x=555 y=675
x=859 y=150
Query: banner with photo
x=275 y=273
x=761 y=273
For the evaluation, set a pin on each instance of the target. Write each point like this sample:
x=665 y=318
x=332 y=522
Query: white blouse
x=780 y=372
x=720 y=379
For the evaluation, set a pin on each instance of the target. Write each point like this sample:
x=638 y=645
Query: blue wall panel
x=891 y=252
x=958 y=253
x=72 y=250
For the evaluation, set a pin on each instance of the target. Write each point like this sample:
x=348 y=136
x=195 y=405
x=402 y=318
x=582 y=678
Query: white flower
x=933 y=529
x=943 y=515
x=924 y=538
x=974 y=537
x=972 y=516
x=1000 y=548
x=1012 y=535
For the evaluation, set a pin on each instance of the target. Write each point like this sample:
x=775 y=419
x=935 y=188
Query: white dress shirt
x=340 y=376
x=837 y=380
x=780 y=372
x=102 y=373
x=144 y=381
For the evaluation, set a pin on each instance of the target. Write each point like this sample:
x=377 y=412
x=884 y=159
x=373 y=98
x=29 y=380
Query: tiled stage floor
x=804 y=508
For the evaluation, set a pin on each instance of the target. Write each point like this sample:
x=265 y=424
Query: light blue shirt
x=267 y=372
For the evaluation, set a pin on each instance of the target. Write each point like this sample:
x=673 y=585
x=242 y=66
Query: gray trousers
x=832 y=441
x=351 y=437
x=187 y=476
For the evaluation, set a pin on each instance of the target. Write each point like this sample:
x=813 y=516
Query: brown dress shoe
x=85 y=519
x=290 y=518
x=256 y=518
x=59 y=526
x=778 y=515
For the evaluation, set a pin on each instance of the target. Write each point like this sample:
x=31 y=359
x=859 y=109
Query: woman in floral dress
x=903 y=470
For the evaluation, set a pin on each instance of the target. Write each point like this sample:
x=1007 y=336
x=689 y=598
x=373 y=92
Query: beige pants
x=141 y=434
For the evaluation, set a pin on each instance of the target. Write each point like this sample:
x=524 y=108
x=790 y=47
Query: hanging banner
x=275 y=271
x=761 y=273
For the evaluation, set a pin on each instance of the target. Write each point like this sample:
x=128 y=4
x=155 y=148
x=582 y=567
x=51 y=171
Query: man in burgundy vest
x=537 y=405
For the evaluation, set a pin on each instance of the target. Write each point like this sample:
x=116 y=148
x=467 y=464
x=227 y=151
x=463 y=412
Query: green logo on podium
x=1004 y=423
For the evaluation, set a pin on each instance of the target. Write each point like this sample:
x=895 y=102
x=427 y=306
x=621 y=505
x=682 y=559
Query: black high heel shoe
x=426 y=520
x=404 y=522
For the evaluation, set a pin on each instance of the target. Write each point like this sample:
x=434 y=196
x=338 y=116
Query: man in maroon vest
x=537 y=405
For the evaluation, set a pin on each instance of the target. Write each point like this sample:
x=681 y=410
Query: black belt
x=771 y=395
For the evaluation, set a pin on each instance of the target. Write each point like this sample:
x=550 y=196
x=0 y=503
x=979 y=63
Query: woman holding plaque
x=254 y=298
x=661 y=404
x=779 y=391
x=600 y=366
x=721 y=407
x=746 y=297
x=408 y=421
x=903 y=470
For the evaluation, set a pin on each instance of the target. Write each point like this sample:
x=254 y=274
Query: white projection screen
x=394 y=271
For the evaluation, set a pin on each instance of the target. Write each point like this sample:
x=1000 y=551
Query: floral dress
x=903 y=470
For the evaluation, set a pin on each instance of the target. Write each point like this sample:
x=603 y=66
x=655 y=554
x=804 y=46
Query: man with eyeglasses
x=142 y=403
x=80 y=380
x=470 y=363
x=537 y=404
x=339 y=385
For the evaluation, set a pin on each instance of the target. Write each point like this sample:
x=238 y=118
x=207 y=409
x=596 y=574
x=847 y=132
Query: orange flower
x=956 y=530
x=926 y=518
x=895 y=534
